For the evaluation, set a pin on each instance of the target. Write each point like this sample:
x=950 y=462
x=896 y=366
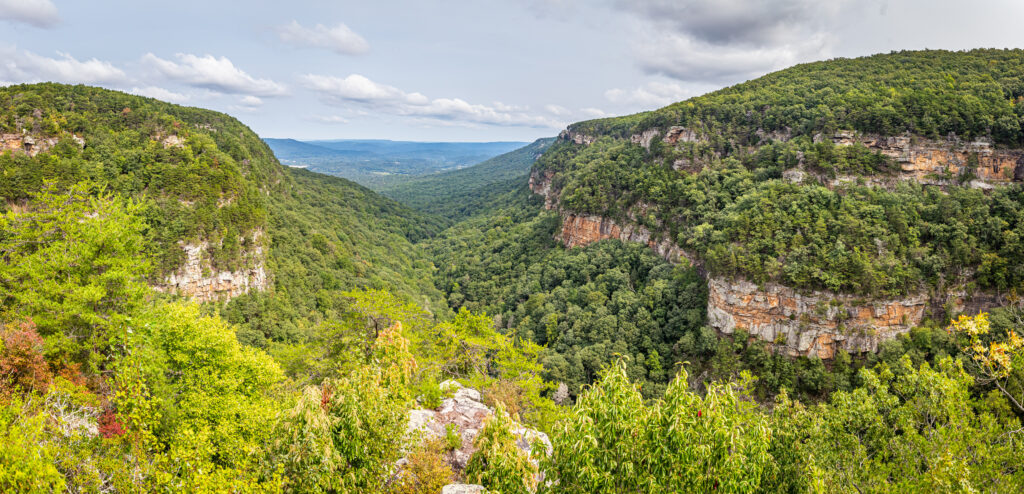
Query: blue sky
x=457 y=70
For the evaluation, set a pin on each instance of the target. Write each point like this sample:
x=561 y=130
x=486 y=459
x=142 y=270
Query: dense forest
x=108 y=385
x=457 y=194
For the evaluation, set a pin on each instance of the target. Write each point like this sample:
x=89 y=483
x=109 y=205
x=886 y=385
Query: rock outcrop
x=31 y=144
x=577 y=137
x=797 y=323
x=197 y=280
x=932 y=162
x=466 y=413
x=463 y=489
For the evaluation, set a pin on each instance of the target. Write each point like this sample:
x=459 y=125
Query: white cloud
x=160 y=94
x=650 y=95
x=688 y=59
x=339 y=39
x=594 y=112
x=25 y=66
x=359 y=90
x=329 y=119
x=39 y=13
x=557 y=110
x=251 y=101
x=217 y=74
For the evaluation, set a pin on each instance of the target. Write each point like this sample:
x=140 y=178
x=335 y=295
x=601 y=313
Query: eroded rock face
x=677 y=134
x=577 y=137
x=196 y=280
x=463 y=489
x=645 y=138
x=540 y=183
x=809 y=324
x=582 y=230
x=797 y=323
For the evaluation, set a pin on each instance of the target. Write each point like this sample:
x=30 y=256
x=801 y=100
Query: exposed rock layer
x=195 y=278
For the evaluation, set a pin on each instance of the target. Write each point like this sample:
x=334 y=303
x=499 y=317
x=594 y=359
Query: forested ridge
x=107 y=385
x=731 y=205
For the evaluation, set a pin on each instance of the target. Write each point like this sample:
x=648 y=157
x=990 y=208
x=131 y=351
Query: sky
x=460 y=70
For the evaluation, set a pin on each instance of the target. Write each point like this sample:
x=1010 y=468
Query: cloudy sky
x=459 y=70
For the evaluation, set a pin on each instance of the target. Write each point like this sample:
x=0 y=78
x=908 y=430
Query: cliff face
x=581 y=230
x=812 y=324
x=807 y=323
x=197 y=280
x=30 y=144
x=938 y=162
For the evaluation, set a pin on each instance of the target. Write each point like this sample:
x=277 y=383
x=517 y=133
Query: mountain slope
x=223 y=216
x=459 y=193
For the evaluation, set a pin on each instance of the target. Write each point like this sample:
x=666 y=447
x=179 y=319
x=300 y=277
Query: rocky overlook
x=464 y=413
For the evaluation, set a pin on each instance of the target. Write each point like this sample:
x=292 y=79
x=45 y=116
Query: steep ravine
x=796 y=322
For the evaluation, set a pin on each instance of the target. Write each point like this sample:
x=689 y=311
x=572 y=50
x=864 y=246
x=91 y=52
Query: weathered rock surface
x=645 y=138
x=581 y=230
x=811 y=324
x=31 y=144
x=196 y=280
x=808 y=323
x=465 y=410
x=927 y=161
x=462 y=489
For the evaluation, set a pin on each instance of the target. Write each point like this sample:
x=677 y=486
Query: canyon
x=794 y=322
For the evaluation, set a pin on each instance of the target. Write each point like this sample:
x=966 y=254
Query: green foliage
x=329 y=236
x=724 y=199
x=426 y=473
x=190 y=391
x=614 y=442
x=931 y=93
x=853 y=238
x=74 y=264
x=907 y=429
x=585 y=305
x=26 y=461
x=452 y=437
x=343 y=435
x=498 y=463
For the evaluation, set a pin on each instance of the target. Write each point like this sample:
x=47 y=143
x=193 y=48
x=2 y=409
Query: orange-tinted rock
x=810 y=323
